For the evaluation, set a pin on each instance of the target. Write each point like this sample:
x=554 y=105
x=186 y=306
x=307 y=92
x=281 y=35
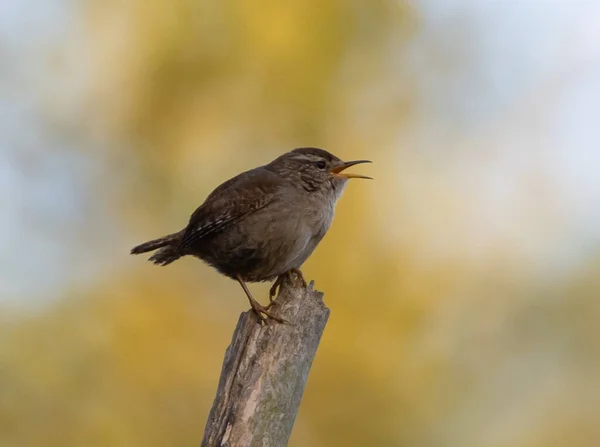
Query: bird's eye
x=320 y=164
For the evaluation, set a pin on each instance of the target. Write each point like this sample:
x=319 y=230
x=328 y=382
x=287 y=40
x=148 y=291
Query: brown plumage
x=262 y=223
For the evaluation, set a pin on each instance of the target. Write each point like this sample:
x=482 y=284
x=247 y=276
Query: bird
x=264 y=223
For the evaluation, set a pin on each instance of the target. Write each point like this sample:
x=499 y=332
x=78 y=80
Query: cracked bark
x=265 y=371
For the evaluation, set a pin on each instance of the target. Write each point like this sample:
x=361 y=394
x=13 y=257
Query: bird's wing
x=231 y=202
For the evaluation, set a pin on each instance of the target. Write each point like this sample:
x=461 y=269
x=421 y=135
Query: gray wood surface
x=265 y=371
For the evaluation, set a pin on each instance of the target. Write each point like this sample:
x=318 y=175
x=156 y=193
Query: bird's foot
x=261 y=311
x=264 y=315
x=293 y=275
x=298 y=275
x=273 y=289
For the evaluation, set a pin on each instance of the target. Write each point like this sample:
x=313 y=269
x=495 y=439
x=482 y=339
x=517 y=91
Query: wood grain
x=265 y=371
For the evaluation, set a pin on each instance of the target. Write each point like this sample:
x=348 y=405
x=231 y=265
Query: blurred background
x=464 y=281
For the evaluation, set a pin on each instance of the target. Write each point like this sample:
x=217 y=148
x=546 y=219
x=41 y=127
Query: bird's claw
x=293 y=275
x=273 y=289
x=298 y=274
x=264 y=314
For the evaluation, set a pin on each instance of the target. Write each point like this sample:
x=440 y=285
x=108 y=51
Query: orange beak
x=338 y=169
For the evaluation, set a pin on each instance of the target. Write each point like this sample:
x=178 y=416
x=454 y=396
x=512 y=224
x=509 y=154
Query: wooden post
x=265 y=371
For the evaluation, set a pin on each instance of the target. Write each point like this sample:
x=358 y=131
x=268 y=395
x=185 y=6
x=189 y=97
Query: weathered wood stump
x=265 y=371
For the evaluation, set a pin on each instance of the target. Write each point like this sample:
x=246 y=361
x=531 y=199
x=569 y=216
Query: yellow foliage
x=443 y=332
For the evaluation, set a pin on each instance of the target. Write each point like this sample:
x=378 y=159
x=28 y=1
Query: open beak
x=338 y=169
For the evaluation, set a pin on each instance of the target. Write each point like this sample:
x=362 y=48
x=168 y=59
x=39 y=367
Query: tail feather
x=165 y=256
x=168 y=249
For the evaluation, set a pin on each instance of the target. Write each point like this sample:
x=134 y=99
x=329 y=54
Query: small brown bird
x=264 y=223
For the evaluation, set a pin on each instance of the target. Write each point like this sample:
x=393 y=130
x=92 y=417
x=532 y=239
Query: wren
x=264 y=223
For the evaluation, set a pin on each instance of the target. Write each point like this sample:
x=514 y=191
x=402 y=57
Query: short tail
x=168 y=252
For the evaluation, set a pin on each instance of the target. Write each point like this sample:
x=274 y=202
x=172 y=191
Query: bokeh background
x=464 y=281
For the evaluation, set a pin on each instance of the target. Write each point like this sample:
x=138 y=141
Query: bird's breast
x=269 y=242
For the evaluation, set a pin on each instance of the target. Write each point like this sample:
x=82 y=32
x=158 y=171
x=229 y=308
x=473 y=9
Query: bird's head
x=316 y=169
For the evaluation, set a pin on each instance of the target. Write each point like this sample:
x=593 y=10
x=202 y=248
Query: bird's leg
x=290 y=274
x=273 y=289
x=299 y=276
x=258 y=308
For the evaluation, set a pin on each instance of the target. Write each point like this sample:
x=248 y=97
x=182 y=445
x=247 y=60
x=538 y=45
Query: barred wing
x=231 y=202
